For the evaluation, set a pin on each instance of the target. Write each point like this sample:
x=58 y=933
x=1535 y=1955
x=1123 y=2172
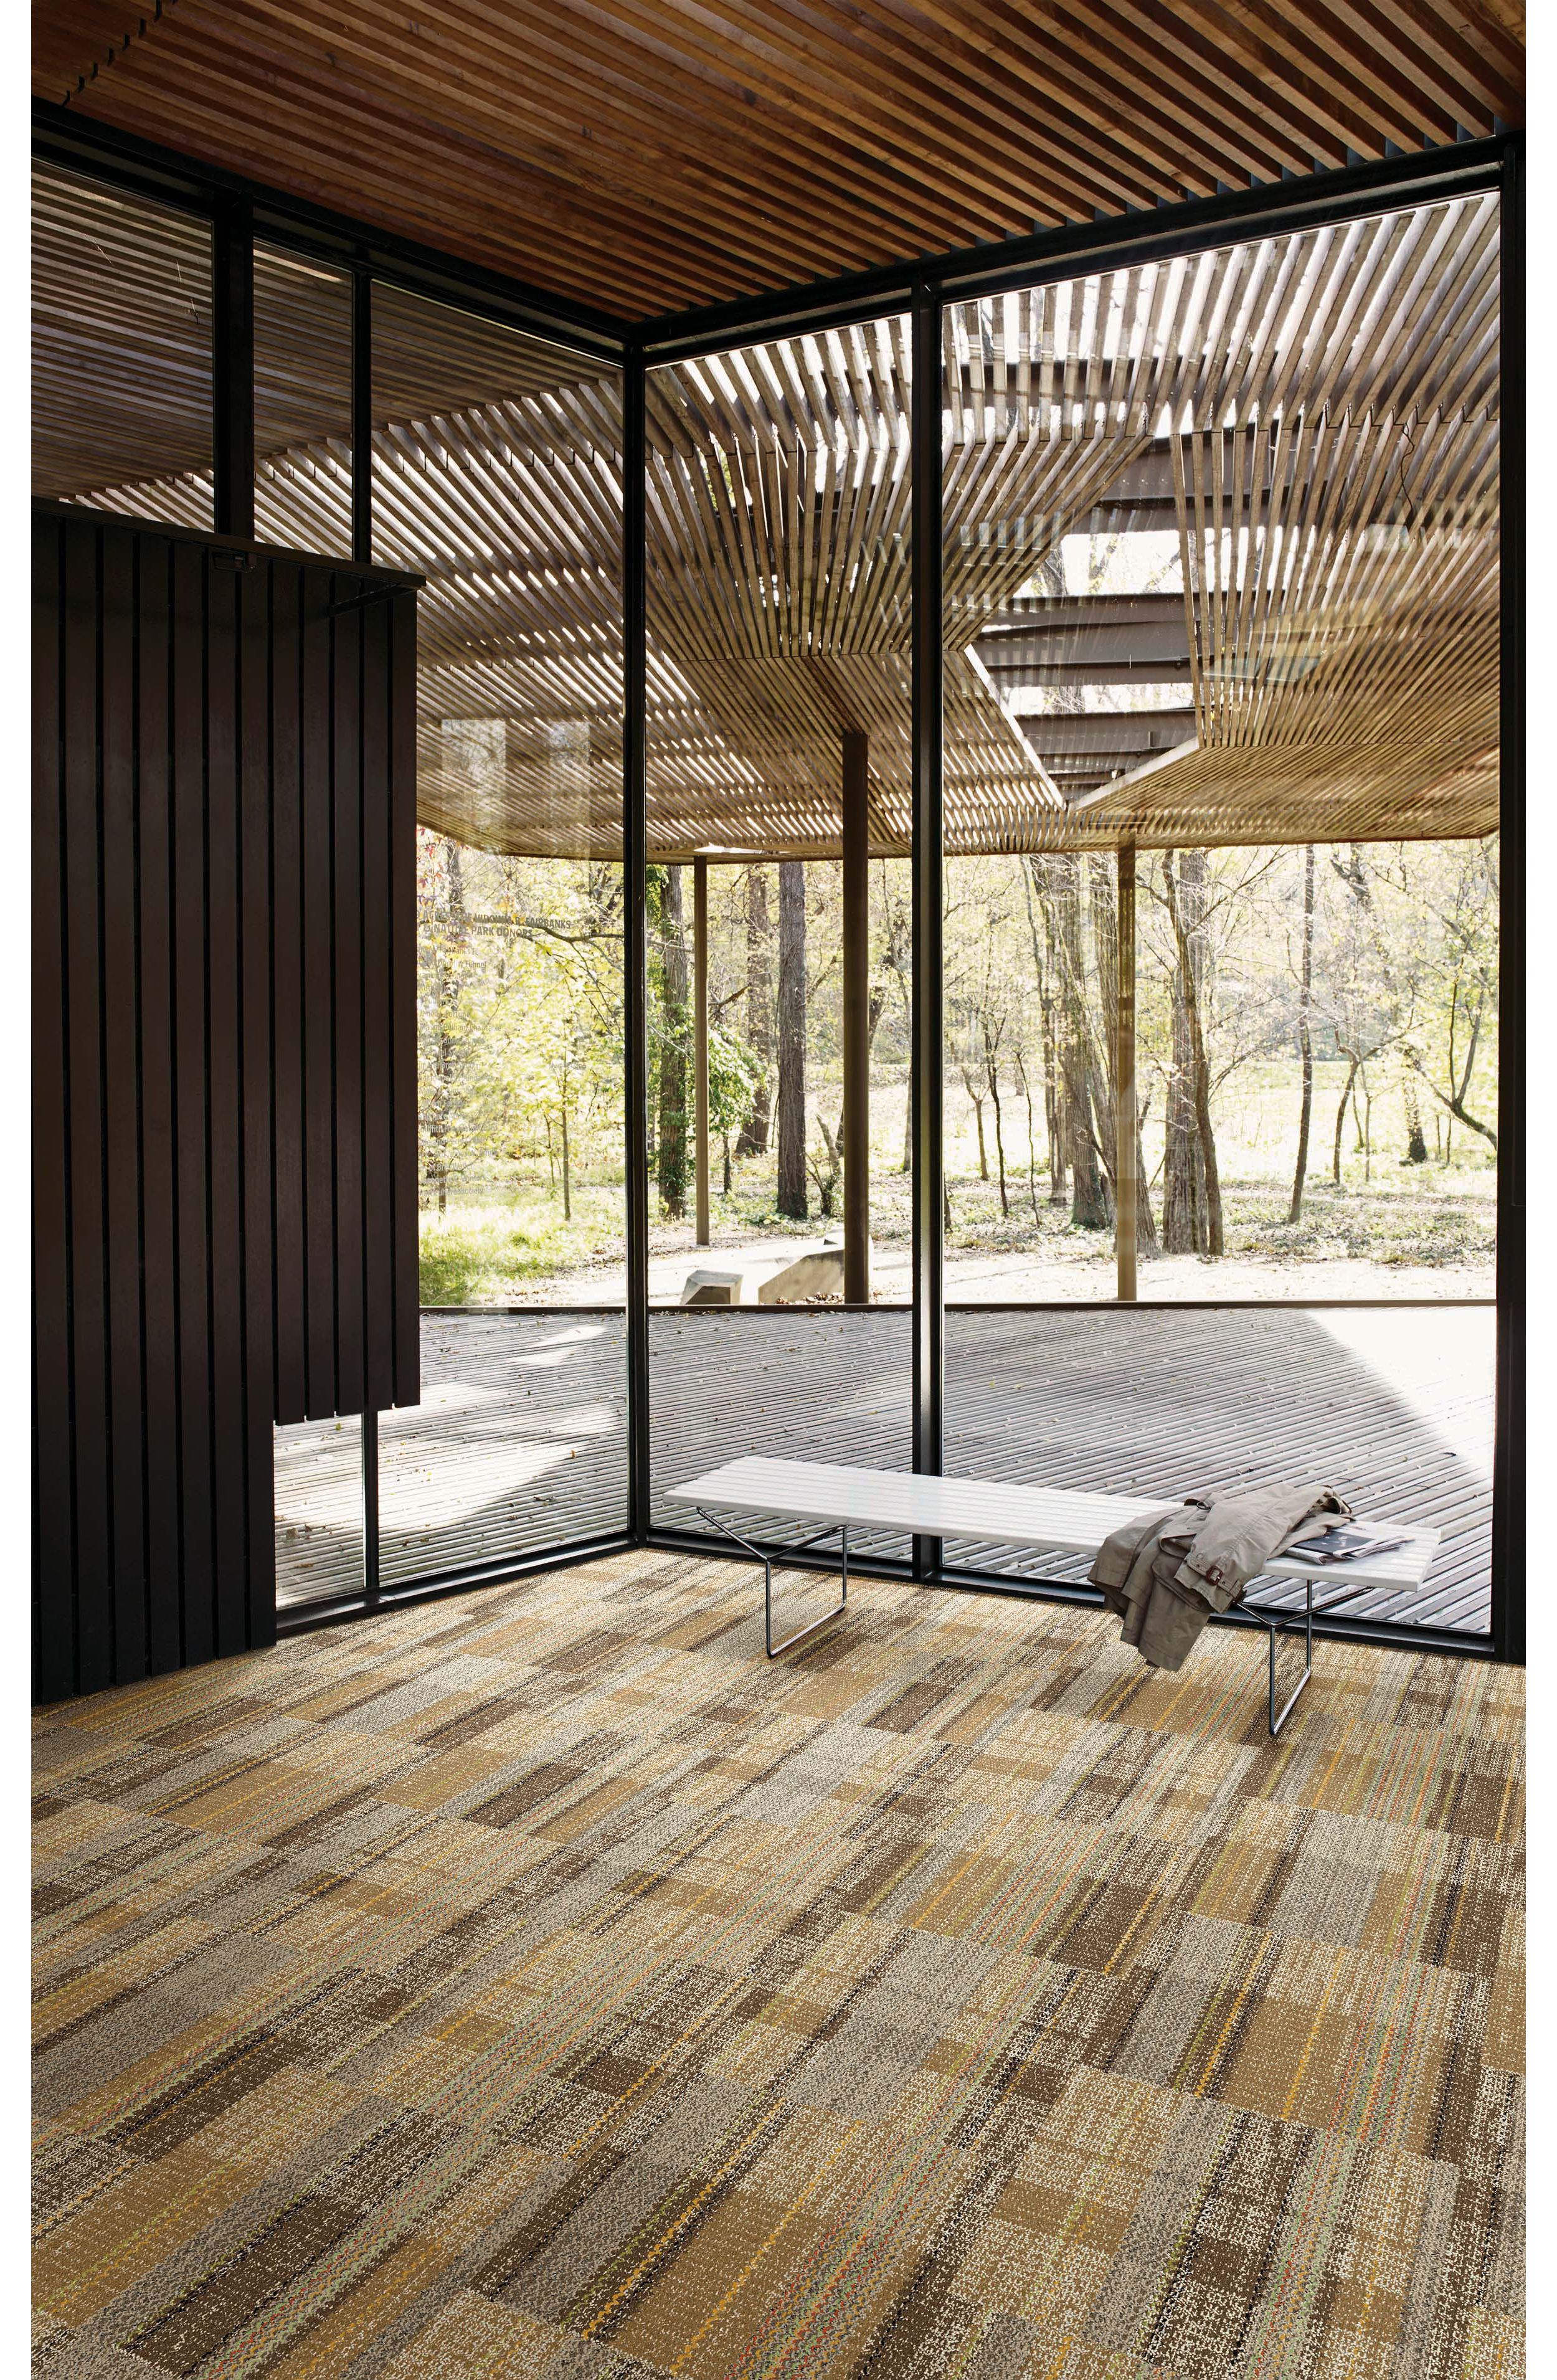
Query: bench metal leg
x=1277 y=1621
x=758 y=1554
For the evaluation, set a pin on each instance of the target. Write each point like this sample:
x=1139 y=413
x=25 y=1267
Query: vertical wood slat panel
x=378 y=1057
x=316 y=902
x=158 y=1163
x=257 y=919
x=229 y=1598
x=286 y=989
x=54 y=1627
x=191 y=1094
x=345 y=777
x=83 y=1088
x=223 y=1069
x=121 y=1077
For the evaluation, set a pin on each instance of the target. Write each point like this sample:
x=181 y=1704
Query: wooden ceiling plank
x=647 y=154
x=1160 y=154
x=683 y=160
x=382 y=85
x=1358 y=78
x=820 y=83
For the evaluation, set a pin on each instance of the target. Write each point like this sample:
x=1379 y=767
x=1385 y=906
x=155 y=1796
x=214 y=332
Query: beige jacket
x=1166 y=1573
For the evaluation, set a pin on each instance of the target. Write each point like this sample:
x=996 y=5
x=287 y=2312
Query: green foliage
x=491 y=1255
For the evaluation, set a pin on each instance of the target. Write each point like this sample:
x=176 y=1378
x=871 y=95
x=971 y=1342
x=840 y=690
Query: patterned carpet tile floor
x=542 y=1983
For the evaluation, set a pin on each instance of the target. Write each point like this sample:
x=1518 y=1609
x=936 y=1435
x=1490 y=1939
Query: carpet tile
x=541 y=1982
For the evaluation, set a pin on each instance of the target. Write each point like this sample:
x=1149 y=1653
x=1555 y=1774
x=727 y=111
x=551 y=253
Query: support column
x=699 y=1040
x=856 y=1020
x=929 y=1063
x=1124 y=1124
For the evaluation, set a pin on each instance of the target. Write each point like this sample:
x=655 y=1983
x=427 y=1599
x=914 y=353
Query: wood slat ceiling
x=645 y=155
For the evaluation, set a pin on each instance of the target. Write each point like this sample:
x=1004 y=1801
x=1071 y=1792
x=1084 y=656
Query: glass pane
x=1221 y=571
x=520 y=1441
x=1392 y=1405
x=319 y=1539
x=497 y=474
x=302 y=402
x=779 y=608
x=121 y=351
x=804 y=1385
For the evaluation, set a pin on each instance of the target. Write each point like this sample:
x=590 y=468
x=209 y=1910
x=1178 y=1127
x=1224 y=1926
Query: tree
x=672 y=1156
x=1191 y=1184
x=753 y=1137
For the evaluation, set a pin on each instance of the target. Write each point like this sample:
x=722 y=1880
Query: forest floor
x=1413 y=1231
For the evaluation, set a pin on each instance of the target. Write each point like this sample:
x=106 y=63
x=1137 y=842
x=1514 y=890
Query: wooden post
x=1125 y=1125
x=856 y=1020
x=700 y=1032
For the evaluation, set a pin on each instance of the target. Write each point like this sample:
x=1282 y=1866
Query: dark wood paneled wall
x=223 y=1066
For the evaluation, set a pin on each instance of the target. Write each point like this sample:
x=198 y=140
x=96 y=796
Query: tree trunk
x=1000 y=1139
x=1044 y=966
x=1305 y=1037
x=976 y=1103
x=754 y=1131
x=1092 y=1205
x=1105 y=937
x=1032 y=1151
x=1415 y=1138
x=791 y=1198
x=1191 y=1189
x=1341 y=1118
x=566 y=1170
x=672 y=1048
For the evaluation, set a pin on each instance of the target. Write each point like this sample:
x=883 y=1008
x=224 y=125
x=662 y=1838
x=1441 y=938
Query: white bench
x=1055 y=1520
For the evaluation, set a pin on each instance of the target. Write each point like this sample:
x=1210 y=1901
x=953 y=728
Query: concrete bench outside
x=1052 y=1520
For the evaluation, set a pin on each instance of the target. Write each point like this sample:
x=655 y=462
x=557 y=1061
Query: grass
x=484 y=1255
x=1443 y=1220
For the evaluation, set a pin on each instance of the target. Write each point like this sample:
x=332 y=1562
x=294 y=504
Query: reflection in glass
x=520 y=1441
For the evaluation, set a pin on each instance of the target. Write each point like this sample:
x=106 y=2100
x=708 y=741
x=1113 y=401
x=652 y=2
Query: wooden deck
x=520 y=1438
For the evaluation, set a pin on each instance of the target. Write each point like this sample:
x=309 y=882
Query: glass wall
x=1221 y=555
x=1222 y=885
x=1221 y=815
x=496 y=472
x=778 y=895
x=321 y=1541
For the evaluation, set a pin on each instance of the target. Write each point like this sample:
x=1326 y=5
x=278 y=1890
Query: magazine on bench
x=1348 y=1541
